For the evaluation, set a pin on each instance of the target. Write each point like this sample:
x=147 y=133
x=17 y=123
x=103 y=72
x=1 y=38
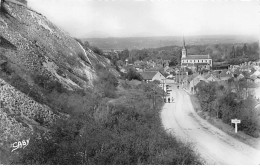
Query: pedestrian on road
x=169 y=100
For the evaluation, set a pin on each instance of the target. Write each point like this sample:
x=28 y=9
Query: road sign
x=235 y=121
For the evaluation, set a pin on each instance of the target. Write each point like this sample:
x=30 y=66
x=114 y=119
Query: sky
x=142 y=18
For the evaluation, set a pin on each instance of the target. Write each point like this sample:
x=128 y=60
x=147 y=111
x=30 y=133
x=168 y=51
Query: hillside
x=36 y=59
x=69 y=105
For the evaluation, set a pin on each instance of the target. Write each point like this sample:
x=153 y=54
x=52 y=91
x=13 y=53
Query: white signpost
x=235 y=121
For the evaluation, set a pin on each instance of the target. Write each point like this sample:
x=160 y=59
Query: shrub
x=96 y=50
x=132 y=74
x=48 y=84
x=219 y=102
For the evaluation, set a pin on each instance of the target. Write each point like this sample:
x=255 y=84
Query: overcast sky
x=118 y=18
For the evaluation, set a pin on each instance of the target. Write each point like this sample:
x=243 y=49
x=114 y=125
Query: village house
x=225 y=75
x=194 y=81
x=149 y=76
x=211 y=77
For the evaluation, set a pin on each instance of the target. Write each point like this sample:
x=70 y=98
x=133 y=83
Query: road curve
x=213 y=145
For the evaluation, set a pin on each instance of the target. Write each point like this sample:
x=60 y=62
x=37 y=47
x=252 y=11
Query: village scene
x=114 y=82
x=194 y=69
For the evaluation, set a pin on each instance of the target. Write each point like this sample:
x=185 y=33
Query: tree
x=245 y=49
x=96 y=50
x=233 y=52
x=86 y=44
x=132 y=74
x=173 y=62
x=123 y=55
x=206 y=95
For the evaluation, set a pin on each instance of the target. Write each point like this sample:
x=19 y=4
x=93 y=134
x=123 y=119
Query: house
x=225 y=75
x=240 y=76
x=256 y=92
x=194 y=80
x=256 y=73
x=123 y=70
x=211 y=78
x=257 y=80
x=152 y=76
x=170 y=77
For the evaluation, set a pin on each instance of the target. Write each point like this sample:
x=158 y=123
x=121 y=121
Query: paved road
x=213 y=145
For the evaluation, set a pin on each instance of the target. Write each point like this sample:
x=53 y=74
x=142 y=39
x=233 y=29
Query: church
x=197 y=62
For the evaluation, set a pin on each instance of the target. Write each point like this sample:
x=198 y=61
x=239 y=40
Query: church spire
x=183 y=40
x=184 y=51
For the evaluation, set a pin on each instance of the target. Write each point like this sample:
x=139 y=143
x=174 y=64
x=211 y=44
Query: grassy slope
x=124 y=130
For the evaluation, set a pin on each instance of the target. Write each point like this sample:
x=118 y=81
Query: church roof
x=197 y=57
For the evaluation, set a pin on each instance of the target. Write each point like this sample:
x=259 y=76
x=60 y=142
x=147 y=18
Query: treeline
x=232 y=53
x=151 y=54
x=107 y=125
x=219 y=101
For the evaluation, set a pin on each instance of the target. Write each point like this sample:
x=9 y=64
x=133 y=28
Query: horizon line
x=107 y=37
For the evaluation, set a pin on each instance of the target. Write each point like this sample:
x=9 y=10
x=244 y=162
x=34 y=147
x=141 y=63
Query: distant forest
x=231 y=49
x=231 y=53
x=157 y=42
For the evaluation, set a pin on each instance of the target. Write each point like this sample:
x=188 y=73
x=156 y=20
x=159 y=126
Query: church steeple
x=184 y=51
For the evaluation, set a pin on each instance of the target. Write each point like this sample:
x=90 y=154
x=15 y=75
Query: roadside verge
x=251 y=141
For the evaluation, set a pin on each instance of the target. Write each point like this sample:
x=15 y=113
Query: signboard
x=235 y=121
x=20 y=144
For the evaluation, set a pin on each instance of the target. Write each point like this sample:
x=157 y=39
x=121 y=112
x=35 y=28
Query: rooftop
x=197 y=57
x=148 y=75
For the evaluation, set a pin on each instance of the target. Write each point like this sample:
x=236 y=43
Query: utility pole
x=182 y=79
x=163 y=89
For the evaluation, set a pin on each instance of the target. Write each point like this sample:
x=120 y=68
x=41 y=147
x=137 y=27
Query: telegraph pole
x=163 y=90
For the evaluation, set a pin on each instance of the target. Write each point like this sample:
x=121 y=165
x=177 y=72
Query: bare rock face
x=34 y=53
x=22 y=1
x=18 y=2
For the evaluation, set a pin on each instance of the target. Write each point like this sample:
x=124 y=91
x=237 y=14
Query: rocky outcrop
x=19 y=114
x=35 y=55
x=39 y=47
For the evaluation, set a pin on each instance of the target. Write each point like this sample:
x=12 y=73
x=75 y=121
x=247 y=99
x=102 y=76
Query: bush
x=96 y=50
x=107 y=82
x=219 y=102
x=132 y=74
x=48 y=84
